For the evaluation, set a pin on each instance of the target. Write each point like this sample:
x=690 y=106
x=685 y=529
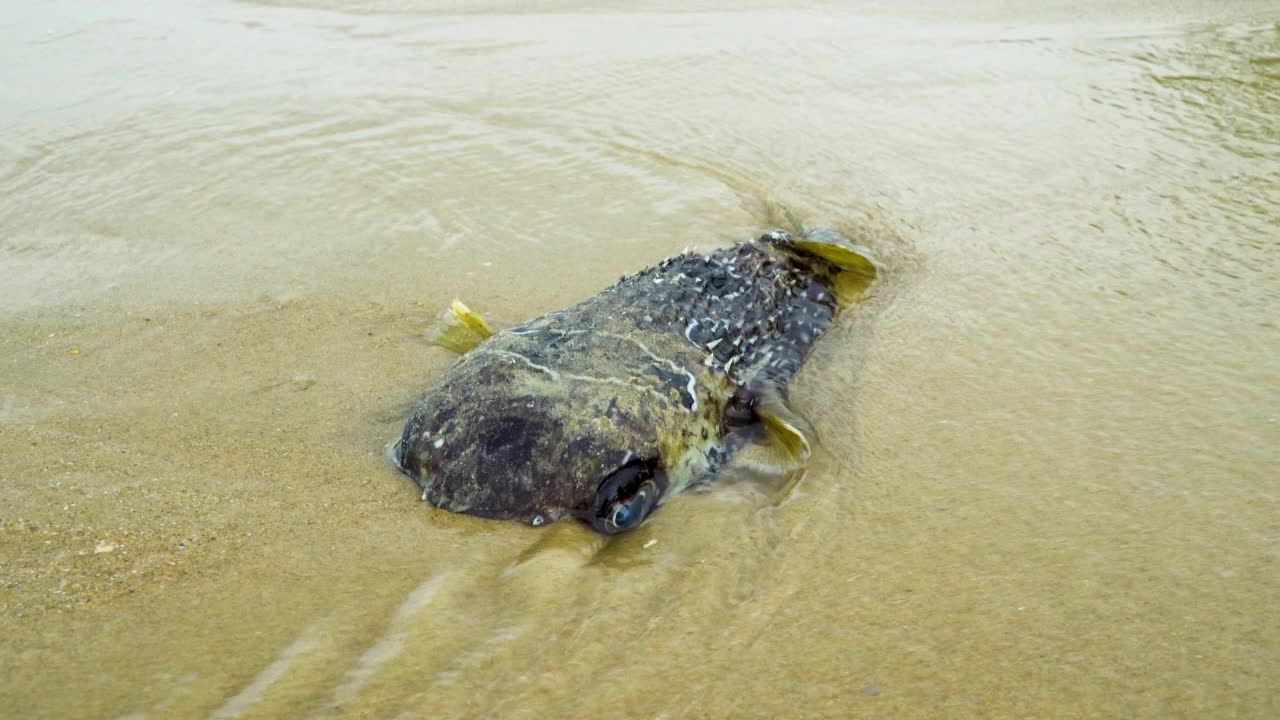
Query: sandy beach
x=1048 y=458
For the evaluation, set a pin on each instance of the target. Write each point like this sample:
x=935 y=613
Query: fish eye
x=626 y=497
x=628 y=513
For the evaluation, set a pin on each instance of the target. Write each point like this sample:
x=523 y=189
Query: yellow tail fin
x=837 y=251
x=857 y=269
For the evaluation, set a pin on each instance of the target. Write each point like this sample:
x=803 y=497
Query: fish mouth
x=394 y=453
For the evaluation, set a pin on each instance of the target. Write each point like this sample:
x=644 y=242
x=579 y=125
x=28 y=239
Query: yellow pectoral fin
x=459 y=329
x=787 y=431
x=784 y=454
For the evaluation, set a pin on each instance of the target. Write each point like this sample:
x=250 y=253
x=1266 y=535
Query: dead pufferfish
x=605 y=410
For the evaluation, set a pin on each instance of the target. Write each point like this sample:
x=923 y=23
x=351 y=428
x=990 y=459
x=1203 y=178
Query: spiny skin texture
x=651 y=373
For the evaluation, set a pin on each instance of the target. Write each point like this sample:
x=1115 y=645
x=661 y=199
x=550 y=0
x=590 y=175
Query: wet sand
x=1047 y=475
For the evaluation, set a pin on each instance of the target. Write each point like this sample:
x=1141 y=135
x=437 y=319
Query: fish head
x=502 y=437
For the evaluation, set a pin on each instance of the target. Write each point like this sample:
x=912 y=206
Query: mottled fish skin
x=753 y=310
x=656 y=369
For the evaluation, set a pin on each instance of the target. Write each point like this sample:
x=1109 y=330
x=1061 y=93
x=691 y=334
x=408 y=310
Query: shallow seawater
x=1048 y=470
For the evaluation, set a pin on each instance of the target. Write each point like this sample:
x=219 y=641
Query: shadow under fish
x=605 y=410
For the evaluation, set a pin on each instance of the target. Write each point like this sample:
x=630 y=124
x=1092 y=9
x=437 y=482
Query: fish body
x=603 y=411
